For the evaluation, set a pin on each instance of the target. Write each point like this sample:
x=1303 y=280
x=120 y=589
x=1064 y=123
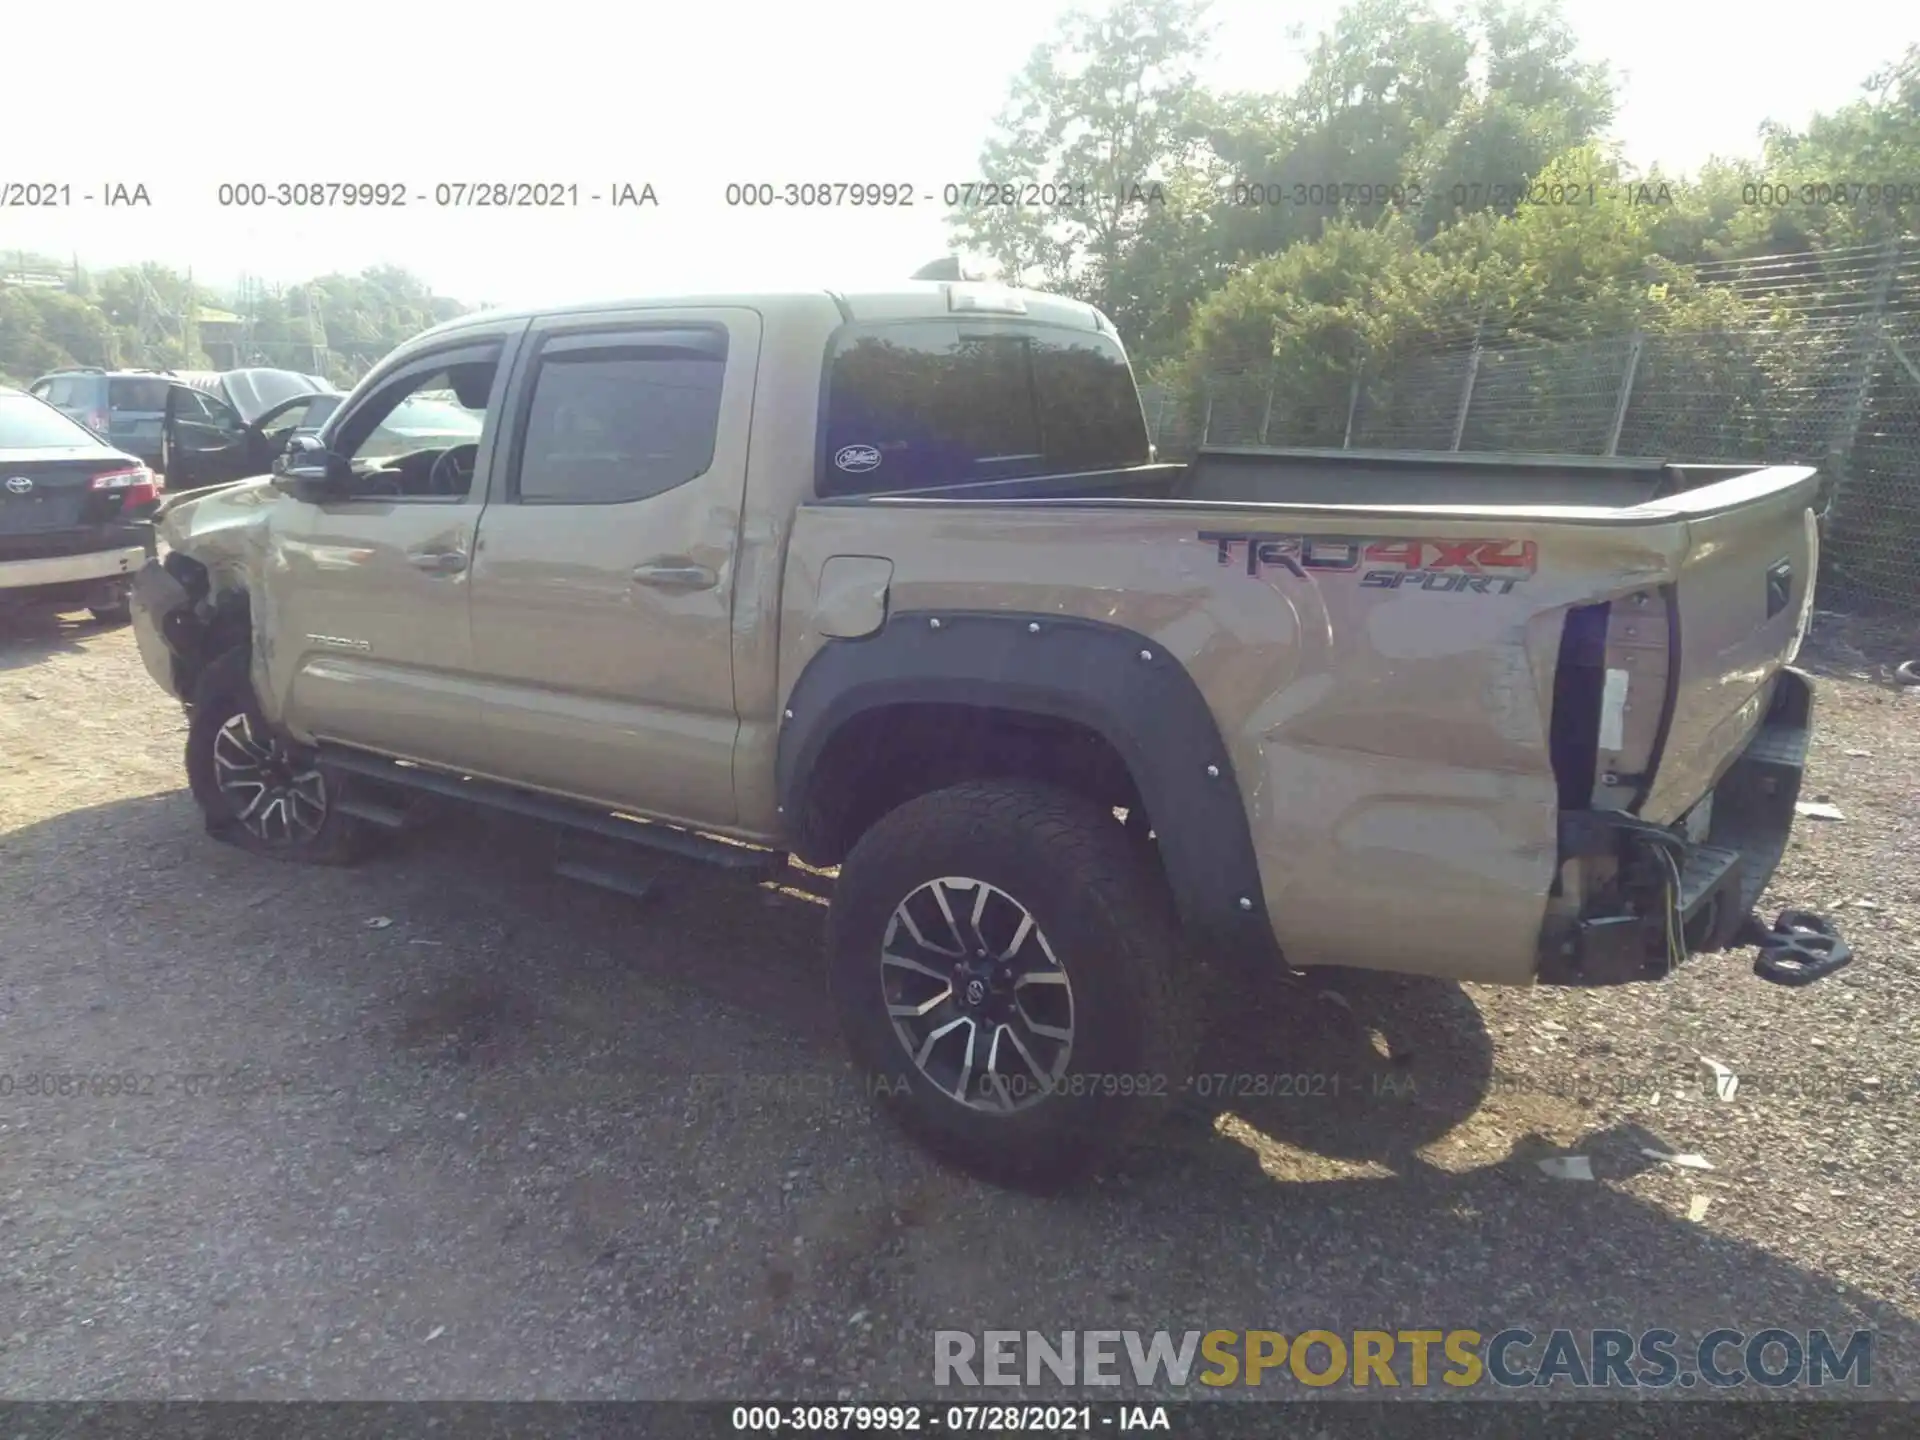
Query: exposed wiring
x=1670 y=852
x=1669 y=855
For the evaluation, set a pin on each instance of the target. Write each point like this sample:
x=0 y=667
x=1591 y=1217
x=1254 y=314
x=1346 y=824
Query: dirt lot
x=522 y=1139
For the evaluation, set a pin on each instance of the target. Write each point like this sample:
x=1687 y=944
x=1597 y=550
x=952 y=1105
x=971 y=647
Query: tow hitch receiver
x=1802 y=947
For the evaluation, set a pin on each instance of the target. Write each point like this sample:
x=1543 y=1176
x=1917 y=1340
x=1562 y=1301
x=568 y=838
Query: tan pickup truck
x=892 y=582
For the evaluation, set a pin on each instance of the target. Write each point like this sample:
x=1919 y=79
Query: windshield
x=27 y=424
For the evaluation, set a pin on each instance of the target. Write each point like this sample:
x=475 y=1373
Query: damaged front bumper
x=1725 y=853
x=166 y=628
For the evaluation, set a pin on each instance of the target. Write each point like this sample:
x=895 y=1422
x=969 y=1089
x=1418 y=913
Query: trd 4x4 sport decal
x=1476 y=567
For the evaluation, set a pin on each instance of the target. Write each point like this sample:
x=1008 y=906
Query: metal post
x=1266 y=416
x=1872 y=329
x=1466 y=396
x=1893 y=348
x=1353 y=405
x=1206 y=420
x=1626 y=393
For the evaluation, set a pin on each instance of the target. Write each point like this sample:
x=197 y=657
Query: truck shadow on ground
x=1302 y=1207
x=1246 y=1211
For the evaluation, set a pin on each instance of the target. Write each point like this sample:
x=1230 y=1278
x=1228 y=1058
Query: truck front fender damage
x=182 y=623
x=1105 y=679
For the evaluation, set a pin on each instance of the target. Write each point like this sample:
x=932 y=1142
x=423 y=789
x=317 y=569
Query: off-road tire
x=224 y=692
x=1109 y=924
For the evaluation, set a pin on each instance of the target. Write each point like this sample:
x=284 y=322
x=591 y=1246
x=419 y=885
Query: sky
x=688 y=98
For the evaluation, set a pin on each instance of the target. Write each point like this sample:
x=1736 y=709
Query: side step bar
x=687 y=844
x=365 y=807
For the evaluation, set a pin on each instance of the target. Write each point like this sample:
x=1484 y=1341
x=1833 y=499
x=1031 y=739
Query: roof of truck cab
x=919 y=299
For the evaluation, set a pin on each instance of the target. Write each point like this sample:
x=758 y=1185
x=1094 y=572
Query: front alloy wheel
x=976 y=994
x=254 y=789
x=278 y=798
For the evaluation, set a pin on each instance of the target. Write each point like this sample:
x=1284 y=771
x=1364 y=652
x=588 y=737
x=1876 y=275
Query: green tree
x=1106 y=114
x=1850 y=178
x=43 y=330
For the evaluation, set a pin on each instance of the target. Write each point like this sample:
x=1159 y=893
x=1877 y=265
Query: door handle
x=438 y=562
x=683 y=576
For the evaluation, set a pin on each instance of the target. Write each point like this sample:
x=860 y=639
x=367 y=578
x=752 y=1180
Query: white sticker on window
x=856 y=458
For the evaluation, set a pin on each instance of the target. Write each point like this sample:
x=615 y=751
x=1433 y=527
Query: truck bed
x=1385 y=479
x=1419 y=662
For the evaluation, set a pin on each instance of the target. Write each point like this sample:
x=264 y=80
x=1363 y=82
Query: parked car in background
x=75 y=512
x=196 y=427
x=220 y=425
x=126 y=408
x=418 y=423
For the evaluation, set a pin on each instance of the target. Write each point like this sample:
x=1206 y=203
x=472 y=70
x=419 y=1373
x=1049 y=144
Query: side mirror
x=308 y=471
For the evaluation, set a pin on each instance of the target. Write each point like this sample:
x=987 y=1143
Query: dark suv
x=126 y=408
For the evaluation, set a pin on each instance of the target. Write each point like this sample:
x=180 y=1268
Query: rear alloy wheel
x=1004 y=966
x=256 y=790
x=977 y=998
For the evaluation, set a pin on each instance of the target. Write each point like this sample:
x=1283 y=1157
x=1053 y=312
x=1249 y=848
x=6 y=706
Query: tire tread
x=1092 y=854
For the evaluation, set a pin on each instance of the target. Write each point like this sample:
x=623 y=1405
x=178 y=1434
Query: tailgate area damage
x=1635 y=899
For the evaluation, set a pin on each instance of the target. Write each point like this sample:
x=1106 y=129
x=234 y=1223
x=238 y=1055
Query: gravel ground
x=527 y=1140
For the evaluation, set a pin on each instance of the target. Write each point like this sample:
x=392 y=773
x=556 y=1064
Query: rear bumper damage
x=1621 y=919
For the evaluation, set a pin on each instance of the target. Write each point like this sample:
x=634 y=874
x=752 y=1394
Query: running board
x=687 y=844
x=603 y=878
x=360 y=807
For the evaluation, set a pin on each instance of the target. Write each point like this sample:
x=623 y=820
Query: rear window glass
x=138 y=394
x=934 y=403
x=26 y=424
x=74 y=392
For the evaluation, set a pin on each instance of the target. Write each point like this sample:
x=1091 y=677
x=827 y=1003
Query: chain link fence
x=1827 y=373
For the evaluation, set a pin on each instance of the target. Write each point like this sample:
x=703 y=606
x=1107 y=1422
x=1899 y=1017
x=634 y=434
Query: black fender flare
x=1114 y=681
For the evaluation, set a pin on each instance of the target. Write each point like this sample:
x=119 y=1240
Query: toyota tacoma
x=892 y=584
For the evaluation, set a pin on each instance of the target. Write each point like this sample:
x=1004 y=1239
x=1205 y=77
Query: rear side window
x=26 y=424
x=138 y=394
x=74 y=392
x=616 y=422
x=933 y=403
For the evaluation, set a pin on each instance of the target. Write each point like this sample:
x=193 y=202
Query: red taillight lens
x=137 y=486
